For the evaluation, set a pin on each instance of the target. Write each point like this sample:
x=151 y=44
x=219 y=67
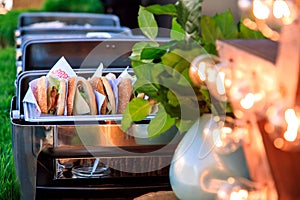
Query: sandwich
x=41 y=94
x=81 y=99
x=51 y=98
x=102 y=85
x=125 y=90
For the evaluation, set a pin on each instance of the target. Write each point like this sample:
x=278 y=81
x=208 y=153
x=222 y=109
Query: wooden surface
x=160 y=195
x=36 y=4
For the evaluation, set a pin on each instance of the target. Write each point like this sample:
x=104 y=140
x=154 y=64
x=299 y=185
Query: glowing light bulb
x=248 y=101
x=205 y=68
x=292 y=125
x=238 y=188
x=260 y=10
x=282 y=127
x=244 y=4
x=225 y=134
x=281 y=9
x=268 y=16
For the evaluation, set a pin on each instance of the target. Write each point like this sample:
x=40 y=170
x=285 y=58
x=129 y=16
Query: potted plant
x=157 y=65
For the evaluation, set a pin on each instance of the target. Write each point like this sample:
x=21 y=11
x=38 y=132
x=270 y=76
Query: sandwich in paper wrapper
x=62 y=92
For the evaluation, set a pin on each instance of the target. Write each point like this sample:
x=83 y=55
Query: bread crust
x=71 y=94
x=124 y=94
x=41 y=93
x=97 y=85
x=110 y=95
x=159 y=195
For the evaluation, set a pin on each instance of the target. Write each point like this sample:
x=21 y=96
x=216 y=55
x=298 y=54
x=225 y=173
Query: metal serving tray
x=47 y=32
x=28 y=116
x=71 y=25
x=84 y=56
x=40 y=144
x=80 y=53
x=70 y=19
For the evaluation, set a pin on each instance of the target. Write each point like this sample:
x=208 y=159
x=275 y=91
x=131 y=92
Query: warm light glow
x=292 y=125
x=239 y=195
x=248 y=101
x=226 y=130
x=231 y=180
x=281 y=9
x=250 y=24
x=269 y=128
x=227 y=82
x=266 y=31
x=278 y=143
x=220 y=135
x=244 y=4
x=238 y=114
x=260 y=10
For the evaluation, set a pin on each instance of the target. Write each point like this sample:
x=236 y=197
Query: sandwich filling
x=81 y=106
x=53 y=93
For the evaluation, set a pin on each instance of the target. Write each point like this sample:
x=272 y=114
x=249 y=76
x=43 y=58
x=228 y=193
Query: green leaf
x=136 y=110
x=211 y=48
x=170 y=59
x=139 y=46
x=160 y=123
x=210 y=30
x=126 y=119
x=189 y=15
x=184 y=125
x=152 y=90
x=168 y=9
x=148 y=80
x=177 y=32
x=156 y=51
x=246 y=33
x=147 y=23
x=149 y=72
x=53 y=81
x=172 y=98
x=227 y=25
x=137 y=49
x=152 y=53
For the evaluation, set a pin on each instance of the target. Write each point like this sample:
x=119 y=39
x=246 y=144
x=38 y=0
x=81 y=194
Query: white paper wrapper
x=61 y=70
x=114 y=82
x=99 y=99
x=125 y=74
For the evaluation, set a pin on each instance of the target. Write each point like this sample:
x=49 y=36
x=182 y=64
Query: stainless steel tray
x=26 y=108
x=30 y=117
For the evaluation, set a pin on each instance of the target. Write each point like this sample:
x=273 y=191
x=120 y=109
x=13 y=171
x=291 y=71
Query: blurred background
x=127 y=10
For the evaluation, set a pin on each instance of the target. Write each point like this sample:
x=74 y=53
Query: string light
x=267 y=16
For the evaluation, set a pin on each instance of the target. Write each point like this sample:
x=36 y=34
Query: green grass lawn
x=8 y=180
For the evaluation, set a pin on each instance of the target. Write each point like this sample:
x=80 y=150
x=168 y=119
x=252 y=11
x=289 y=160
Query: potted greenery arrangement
x=165 y=74
x=158 y=65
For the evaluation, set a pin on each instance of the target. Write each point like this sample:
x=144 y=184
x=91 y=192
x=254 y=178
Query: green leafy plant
x=162 y=69
x=8 y=179
x=8 y=25
x=88 y=6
